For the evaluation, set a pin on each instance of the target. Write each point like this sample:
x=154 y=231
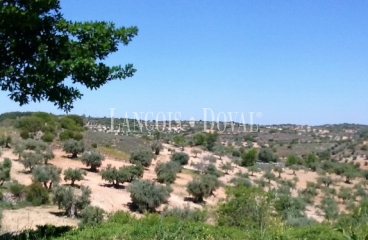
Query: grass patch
x=190 y=172
x=114 y=153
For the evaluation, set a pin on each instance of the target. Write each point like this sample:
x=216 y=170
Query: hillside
x=284 y=177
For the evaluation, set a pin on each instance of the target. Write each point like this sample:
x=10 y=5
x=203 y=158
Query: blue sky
x=301 y=62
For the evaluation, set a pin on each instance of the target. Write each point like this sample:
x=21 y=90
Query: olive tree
x=121 y=175
x=147 y=195
x=73 y=147
x=143 y=157
x=156 y=146
x=219 y=150
x=72 y=200
x=73 y=175
x=19 y=149
x=92 y=159
x=253 y=169
x=180 y=157
x=227 y=167
x=196 y=152
x=32 y=159
x=166 y=172
x=202 y=187
x=46 y=174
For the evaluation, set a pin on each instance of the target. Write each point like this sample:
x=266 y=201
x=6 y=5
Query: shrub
x=92 y=159
x=202 y=187
x=66 y=135
x=37 y=194
x=288 y=206
x=74 y=175
x=142 y=157
x=266 y=155
x=241 y=181
x=185 y=213
x=329 y=207
x=236 y=153
x=48 y=137
x=166 y=172
x=249 y=158
x=73 y=147
x=146 y=195
x=17 y=190
x=24 y=134
x=46 y=174
x=179 y=140
x=247 y=208
x=94 y=145
x=91 y=216
x=78 y=136
x=180 y=157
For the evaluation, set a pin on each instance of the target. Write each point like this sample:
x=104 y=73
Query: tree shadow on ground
x=132 y=207
x=89 y=170
x=110 y=185
x=191 y=199
x=58 y=213
x=42 y=232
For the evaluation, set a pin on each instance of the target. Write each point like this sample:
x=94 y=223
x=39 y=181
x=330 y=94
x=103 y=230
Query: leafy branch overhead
x=40 y=50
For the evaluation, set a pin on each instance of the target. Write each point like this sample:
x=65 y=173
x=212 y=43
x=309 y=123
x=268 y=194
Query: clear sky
x=301 y=62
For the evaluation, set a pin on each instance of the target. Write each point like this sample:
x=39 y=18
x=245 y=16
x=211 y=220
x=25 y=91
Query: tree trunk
x=72 y=211
x=50 y=185
x=72 y=183
x=75 y=155
x=45 y=184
